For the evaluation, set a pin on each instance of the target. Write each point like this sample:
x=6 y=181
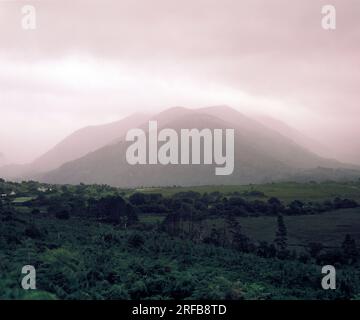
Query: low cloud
x=92 y=62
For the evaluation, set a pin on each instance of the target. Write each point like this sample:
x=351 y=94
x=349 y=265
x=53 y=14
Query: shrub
x=136 y=240
x=62 y=215
x=33 y=232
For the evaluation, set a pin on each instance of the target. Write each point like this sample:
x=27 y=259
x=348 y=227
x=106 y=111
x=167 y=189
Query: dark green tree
x=314 y=249
x=238 y=240
x=281 y=234
x=137 y=199
x=350 y=250
x=275 y=206
x=131 y=215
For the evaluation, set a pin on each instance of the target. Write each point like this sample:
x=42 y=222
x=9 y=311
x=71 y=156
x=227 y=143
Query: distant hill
x=295 y=135
x=2 y=159
x=75 y=146
x=86 y=140
x=261 y=155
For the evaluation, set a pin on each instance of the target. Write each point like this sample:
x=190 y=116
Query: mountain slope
x=86 y=140
x=261 y=136
x=75 y=146
x=2 y=159
x=261 y=155
x=295 y=135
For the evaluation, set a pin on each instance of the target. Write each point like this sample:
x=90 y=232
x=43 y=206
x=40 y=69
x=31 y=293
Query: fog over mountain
x=74 y=146
x=295 y=135
x=2 y=159
x=265 y=150
x=261 y=155
x=86 y=140
x=88 y=63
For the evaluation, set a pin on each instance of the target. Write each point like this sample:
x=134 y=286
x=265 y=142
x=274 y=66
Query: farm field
x=328 y=228
x=286 y=191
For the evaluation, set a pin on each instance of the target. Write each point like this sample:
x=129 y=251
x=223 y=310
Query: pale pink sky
x=90 y=62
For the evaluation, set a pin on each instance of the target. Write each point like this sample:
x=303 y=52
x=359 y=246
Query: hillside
x=295 y=135
x=261 y=155
x=75 y=146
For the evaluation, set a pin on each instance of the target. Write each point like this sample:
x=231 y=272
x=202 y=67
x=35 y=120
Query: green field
x=21 y=200
x=151 y=218
x=286 y=191
x=327 y=228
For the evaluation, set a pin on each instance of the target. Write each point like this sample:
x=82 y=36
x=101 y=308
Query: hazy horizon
x=93 y=62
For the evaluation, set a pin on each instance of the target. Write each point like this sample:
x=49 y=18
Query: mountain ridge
x=266 y=154
x=256 y=161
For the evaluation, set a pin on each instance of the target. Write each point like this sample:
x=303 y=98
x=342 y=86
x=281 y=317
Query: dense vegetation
x=98 y=242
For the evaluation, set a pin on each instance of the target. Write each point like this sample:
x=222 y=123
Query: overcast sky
x=91 y=62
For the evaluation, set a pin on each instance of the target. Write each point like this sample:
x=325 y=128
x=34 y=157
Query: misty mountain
x=2 y=159
x=261 y=155
x=295 y=135
x=76 y=145
x=86 y=140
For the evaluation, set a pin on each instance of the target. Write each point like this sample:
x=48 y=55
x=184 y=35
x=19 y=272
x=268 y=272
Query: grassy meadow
x=286 y=191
